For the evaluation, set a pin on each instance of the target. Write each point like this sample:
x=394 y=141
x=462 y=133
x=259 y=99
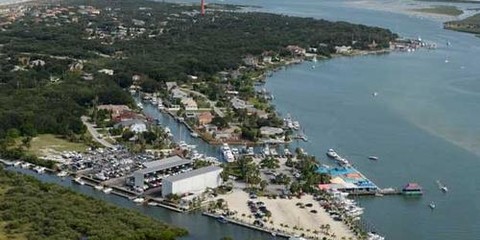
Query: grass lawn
x=44 y=142
x=441 y=9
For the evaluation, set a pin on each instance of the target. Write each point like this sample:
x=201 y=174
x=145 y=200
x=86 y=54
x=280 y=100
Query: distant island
x=440 y=9
x=30 y=209
x=470 y=24
x=451 y=1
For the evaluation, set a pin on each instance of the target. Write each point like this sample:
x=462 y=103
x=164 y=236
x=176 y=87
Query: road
x=95 y=134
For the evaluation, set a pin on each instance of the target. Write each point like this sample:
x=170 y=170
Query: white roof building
x=195 y=181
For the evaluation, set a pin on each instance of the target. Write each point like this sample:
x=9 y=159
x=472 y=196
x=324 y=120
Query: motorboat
x=374 y=236
x=444 y=189
x=79 y=181
x=194 y=134
x=332 y=154
x=107 y=190
x=373 y=157
x=138 y=200
x=222 y=219
x=98 y=187
x=250 y=151
x=375 y=94
x=62 y=174
x=39 y=169
x=432 y=205
x=266 y=150
x=227 y=153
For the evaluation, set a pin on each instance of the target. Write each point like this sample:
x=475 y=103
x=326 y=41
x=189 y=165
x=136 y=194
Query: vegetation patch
x=441 y=9
x=470 y=24
x=30 y=209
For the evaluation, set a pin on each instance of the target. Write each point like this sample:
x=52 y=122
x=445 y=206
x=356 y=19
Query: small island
x=441 y=10
x=470 y=24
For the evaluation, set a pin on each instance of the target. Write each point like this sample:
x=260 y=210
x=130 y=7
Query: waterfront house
x=115 y=110
x=238 y=103
x=189 y=104
x=205 y=118
x=171 y=85
x=343 y=49
x=250 y=60
x=269 y=131
x=296 y=50
x=134 y=125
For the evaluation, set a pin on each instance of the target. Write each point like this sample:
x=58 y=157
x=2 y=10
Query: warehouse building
x=195 y=181
x=155 y=171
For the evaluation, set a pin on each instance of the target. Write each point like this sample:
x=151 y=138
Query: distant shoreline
x=13 y=3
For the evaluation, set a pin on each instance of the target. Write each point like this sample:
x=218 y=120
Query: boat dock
x=229 y=220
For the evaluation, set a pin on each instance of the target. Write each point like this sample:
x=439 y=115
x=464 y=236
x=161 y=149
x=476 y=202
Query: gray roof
x=166 y=163
x=192 y=173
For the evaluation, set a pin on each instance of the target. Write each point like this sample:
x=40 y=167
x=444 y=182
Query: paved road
x=94 y=133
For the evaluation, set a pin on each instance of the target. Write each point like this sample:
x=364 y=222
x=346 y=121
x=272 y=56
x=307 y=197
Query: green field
x=441 y=9
x=45 y=142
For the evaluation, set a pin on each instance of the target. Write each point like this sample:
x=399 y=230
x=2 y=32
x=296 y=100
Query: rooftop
x=193 y=173
x=162 y=164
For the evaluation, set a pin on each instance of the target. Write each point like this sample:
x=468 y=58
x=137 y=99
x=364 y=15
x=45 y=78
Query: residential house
x=189 y=104
x=296 y=50
x=342 y=49
x=269 y=131
x=176 y=93
x=106 y=71
x=238 y=103
x=171 y=85
x=134 y=125
x=205 y=118
x=115 y=110
x=250 y=60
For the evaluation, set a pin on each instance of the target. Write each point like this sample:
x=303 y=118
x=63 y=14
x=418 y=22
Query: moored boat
x=78 y=180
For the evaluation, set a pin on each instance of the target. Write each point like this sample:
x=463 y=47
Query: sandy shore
x=13 y=2
x=286 y=213
x=403 y=7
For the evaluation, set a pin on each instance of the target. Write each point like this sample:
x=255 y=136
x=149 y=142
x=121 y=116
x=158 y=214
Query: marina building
x=195 y=181
x=155 y=171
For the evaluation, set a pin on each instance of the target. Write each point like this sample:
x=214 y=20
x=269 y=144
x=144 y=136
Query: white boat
x=107 y=190
x=98 y=187
x=432 y=205
x=296 y=125
x=374 y=236
x=138 y=200
x=372 y=157
x=39 y=169
x=332 y=154
x=266 y=150
x=375 y=94
x=227 y=153
x=79 y=181
x=62 y=174
x=25 y=165
x=273 y=152
x=17 y=164
x=235 y=151
x=250 y=151
x=140 y=105
x=442 y=187
x=194 y=134
x=287 y=152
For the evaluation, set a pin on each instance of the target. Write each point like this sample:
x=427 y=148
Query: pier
x=233 y=221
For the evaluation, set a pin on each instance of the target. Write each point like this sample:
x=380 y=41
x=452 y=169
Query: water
x=423 y=125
